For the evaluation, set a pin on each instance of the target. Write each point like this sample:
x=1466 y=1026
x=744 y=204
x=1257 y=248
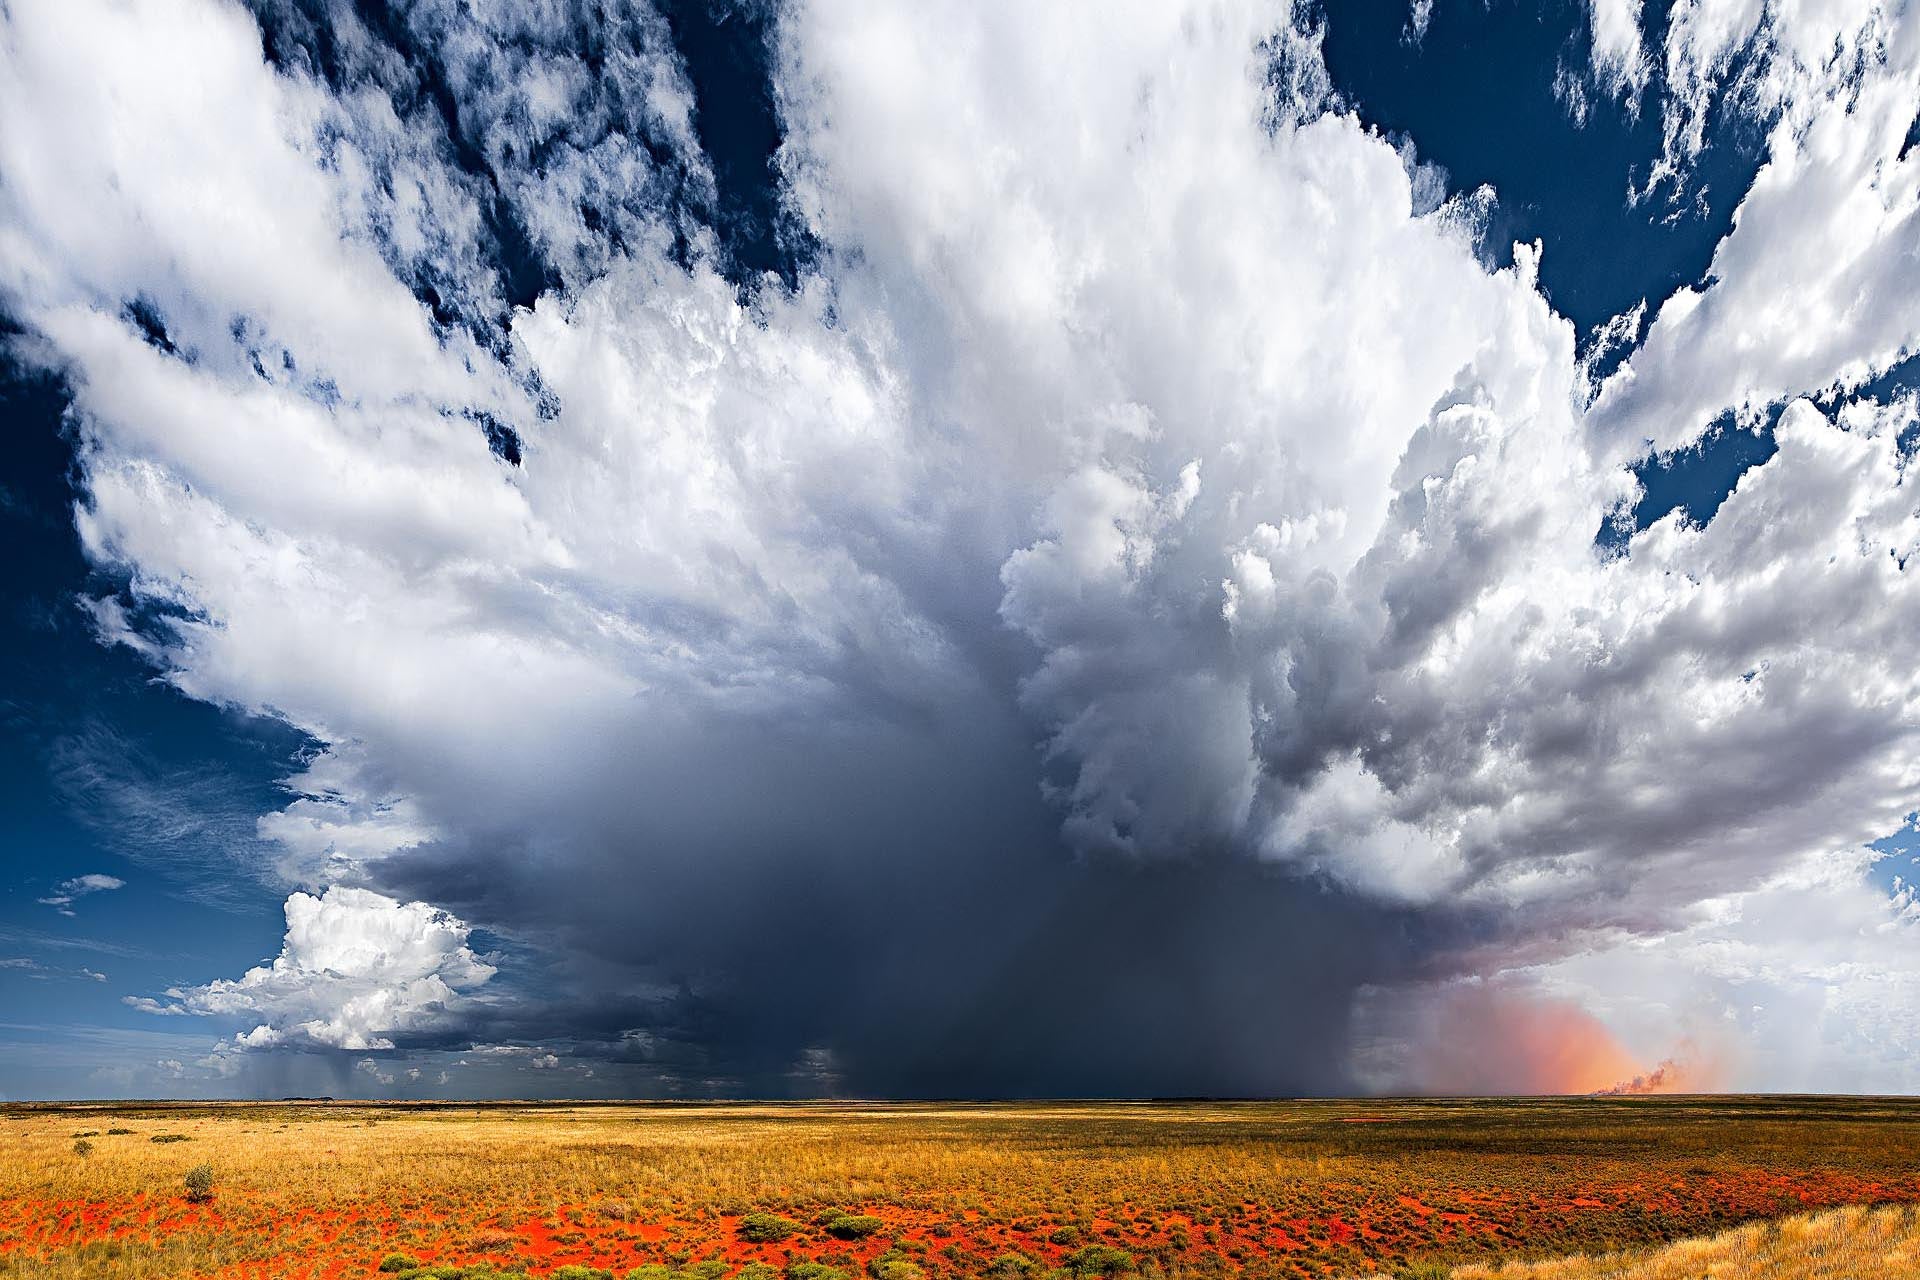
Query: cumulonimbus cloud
x=1137 y=471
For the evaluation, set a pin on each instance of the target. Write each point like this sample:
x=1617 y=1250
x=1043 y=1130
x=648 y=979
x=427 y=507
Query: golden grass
x=1855 y=1243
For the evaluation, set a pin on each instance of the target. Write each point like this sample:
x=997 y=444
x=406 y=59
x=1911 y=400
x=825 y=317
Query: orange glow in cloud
x=1691 y=1072
x=1492 y=1040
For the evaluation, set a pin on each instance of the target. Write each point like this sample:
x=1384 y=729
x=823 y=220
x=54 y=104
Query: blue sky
x=727 y=551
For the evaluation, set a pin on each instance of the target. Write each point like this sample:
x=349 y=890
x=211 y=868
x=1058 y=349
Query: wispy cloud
x=195 y=825
x=67 y=891
x=33 y=938
x=36 y=969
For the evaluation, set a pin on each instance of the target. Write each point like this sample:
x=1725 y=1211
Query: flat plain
x=1053 y=1191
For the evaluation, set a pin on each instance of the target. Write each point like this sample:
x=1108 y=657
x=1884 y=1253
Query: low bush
x=1065 y=1235
x=199 y=1182
x=81 y=1147
x=766 y=1228
x=574 y=1271
x=1010 y=1266
x=118 y=1133
x=1098 y=1260
x=399 y=1262
x=169 y=1137
x=814 y=1271
x=895 y=1265
x=852 y=1226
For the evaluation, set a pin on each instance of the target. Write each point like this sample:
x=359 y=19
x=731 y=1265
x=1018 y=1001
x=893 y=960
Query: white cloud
x=1815 y=286
x=1133 y=393
x=357 y=969
x=1619 y=65
x=66 y=891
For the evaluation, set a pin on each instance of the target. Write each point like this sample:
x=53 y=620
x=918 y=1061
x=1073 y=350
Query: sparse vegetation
x=1407 y=1190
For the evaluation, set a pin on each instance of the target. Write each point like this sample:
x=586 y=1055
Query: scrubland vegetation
x=1030 y=1192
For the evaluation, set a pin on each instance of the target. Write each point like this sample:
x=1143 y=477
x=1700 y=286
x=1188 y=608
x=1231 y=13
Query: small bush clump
x=709 y=1269
x=199 y=1182
x=169 y=1137
x=118 y=1133
x=814 y=1271
x=1010 y=1266
x=765 y=1228
x=849 y=1226
x=1065 y=1235
x=81 y=1147
x=895 y=1265
x=1098 y=1260
x=574 y=1271
x=399 y=1262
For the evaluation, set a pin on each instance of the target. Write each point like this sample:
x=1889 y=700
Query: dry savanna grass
x=918 y=1192
x=1855 y=1243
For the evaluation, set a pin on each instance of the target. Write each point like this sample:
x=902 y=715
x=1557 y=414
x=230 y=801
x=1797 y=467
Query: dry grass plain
x=954 y=1192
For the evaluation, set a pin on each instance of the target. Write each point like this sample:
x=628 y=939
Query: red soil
x=1332 y=1224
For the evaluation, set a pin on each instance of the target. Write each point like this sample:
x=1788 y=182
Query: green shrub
x=757 y=1271
x=574 y=1271
x=852 y=1226
x=1423 y=1271
x=1098 y=1260
x=118 y=1133
x=169 y=1137
x=765 y=1228
x=650 y=1271
x=814 y=1271
x=399 y=1262
x=1066 y=1235
x=894 y=1265
x=1010 y=1266
x=81 y=1147
x=199 y=1182
x=707 y=1269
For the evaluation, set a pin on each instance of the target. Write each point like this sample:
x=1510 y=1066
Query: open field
x=940 y=1192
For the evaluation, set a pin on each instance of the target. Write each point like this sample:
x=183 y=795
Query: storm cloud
x=1086 y=584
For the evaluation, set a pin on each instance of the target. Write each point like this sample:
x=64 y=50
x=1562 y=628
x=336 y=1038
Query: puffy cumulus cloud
x=695 y=634
x=356 y=969
x=1814 y=287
